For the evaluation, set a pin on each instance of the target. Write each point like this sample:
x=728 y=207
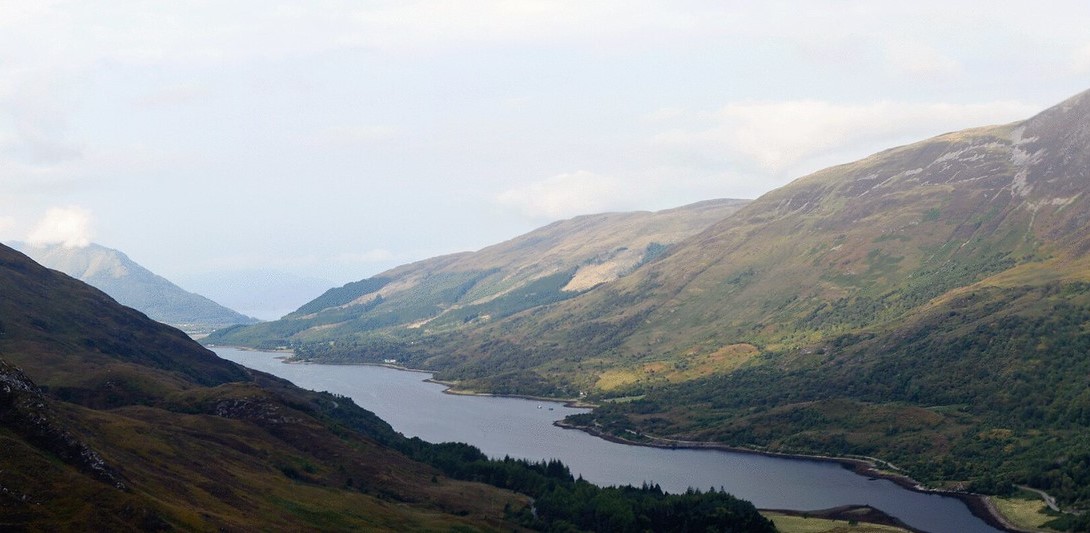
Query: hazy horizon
x=333 y=140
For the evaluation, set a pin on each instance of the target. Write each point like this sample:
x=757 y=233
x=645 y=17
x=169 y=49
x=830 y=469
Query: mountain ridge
x=131 y=284
x=152 y=431
x=550 y=264
x=867 y=308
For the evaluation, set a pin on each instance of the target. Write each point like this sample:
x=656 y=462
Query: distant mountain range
x=112 y=272
x=929 y=304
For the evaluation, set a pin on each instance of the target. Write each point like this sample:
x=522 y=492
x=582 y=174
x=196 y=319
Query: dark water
x=523 y=429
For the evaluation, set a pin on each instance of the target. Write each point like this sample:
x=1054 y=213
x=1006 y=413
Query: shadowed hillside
x=111 y=421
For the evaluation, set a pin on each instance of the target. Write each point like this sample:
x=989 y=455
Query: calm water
x=523 y=429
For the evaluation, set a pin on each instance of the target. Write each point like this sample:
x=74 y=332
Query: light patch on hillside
x=722 y=361
x=104 y=264
x=613 y=379
x=365 y=299
x=589 y=276
x=692 y=365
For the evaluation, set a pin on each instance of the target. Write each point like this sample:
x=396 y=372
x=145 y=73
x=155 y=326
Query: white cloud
x=173 y=95
x=919 y=59
x=351 y=136
x=665 y=114
x=376 y=255
x=781 y=137
x=69 y=226
x=7 y=223
x=1080 y=60
x=435 y=24
x=564 y=195
x=113 y=104
x=81 y=36
x=38 y=110
x=652 y=188
x=42 y=184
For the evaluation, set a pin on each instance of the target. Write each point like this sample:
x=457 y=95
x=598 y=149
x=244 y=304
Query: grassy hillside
x=927 y=304
x=463 y=291
x=111 y=421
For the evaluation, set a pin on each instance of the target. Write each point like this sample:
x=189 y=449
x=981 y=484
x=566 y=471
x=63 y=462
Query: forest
x=562 y=502
x=991 y=393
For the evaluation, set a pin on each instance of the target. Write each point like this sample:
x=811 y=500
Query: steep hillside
x=110 y=421
x=135 y=286
x=463 y=291
x=878 y=238
x=928 y=304
x=857 y=246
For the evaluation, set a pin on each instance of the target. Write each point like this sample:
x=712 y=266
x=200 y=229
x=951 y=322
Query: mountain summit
x=112 y=272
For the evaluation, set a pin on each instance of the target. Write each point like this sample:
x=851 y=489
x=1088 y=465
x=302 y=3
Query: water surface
x=521 y=428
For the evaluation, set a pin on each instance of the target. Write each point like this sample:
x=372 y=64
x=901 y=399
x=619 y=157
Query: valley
x=112 y=421
x=522 y=265
x=527 y=429
x=925 y=305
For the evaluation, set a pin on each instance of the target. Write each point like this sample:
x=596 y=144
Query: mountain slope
x=111 y=421
x=130 y=284
x=459 y=291
x=882 y=236
x=853 y=247
x=928 y=304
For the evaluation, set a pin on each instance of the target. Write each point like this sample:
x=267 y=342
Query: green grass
x=1028 y=512
x=799 y=524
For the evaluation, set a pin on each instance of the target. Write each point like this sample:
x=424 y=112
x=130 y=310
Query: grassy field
x=799 y=524
x=1026 y=513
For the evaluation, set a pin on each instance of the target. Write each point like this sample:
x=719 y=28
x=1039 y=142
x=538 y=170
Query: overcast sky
x=334 y=140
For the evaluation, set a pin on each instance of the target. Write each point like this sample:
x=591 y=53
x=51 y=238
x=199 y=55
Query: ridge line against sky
x=333 y=140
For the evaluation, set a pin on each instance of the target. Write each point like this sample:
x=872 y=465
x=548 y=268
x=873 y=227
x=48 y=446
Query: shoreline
x=566 y=402
x=979 y=504
x=864 y=514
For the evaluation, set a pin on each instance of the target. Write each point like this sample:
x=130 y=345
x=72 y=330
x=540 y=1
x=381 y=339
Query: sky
x=242 y=147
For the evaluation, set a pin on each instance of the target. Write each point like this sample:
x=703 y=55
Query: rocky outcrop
x=27 y=412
